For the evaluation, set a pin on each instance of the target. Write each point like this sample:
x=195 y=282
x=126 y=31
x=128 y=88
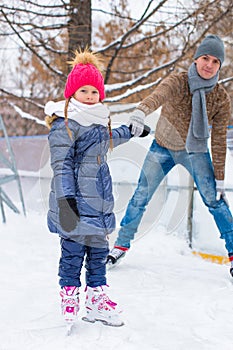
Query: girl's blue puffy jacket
x=80 y=171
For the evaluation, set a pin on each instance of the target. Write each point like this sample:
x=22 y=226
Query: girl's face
x=87 y=94
x=207 y=66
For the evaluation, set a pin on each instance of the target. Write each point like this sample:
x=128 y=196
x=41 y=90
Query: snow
x=27 y=115
x=170 y=298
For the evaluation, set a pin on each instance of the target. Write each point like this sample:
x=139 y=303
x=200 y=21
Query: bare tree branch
x=31 y=49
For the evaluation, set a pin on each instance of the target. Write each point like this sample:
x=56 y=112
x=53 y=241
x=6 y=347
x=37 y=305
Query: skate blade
x=110 y=265
x=69 y=323
x=106 y=323
x=69 y=328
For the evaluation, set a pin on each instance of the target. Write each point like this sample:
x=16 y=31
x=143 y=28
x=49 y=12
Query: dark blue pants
x=94 y=249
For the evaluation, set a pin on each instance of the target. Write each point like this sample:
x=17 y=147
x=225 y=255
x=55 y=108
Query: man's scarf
x=198 y=132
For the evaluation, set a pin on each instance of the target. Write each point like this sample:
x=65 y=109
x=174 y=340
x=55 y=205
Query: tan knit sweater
x=174 y=96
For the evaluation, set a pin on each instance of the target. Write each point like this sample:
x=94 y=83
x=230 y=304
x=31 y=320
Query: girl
x=81 y=200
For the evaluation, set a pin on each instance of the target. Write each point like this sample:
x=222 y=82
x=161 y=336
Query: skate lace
x=103 y=301
x=69 y=300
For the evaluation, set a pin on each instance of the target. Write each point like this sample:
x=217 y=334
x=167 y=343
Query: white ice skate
x=115 y=256
x=69 y=306
x=100 y=308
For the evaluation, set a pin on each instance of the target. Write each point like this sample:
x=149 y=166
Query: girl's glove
x=68 y=213
x=136 y=121
x=220 y=191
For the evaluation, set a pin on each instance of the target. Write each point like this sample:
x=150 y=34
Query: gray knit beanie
x=212 y=45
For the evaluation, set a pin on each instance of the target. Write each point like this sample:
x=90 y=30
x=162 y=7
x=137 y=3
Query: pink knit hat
x=85 y=72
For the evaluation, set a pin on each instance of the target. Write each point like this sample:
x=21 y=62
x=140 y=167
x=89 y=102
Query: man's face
x=207 y=66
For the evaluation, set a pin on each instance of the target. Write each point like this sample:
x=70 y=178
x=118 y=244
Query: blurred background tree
x=138 y=52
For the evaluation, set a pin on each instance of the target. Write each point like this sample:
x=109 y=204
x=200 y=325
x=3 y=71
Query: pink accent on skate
x=103 y=301
x=111 y=303
x=70 y=290
x=69 y=309
x=70 y=302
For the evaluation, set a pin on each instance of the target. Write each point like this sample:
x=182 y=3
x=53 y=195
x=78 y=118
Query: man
x=191 y=101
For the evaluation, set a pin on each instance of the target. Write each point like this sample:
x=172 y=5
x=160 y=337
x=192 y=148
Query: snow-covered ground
x=170 y=298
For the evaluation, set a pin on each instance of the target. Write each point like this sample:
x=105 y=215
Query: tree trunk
x=79 y=25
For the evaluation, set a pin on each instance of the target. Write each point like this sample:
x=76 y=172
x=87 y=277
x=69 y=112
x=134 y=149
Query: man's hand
x=220 y=191
x=137 y=122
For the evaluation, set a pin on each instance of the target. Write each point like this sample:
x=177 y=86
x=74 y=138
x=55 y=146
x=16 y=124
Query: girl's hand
x=68 y=213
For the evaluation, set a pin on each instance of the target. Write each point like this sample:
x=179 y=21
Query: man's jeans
x=158 y=162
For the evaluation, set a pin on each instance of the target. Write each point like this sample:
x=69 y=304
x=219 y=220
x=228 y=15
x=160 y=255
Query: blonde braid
x=66 y=117
x=110 y=134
